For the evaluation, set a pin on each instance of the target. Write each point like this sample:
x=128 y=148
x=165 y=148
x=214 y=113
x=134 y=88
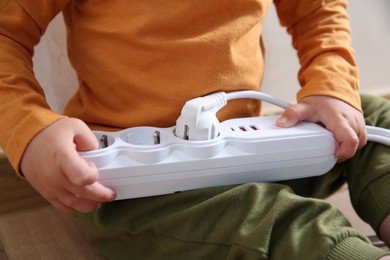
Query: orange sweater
x=139 y=61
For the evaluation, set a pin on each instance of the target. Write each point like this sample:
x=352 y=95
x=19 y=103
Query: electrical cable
x=259 y=96
x=378 y=135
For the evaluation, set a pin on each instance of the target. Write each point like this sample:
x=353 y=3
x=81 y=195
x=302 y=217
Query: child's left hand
x=344 y=121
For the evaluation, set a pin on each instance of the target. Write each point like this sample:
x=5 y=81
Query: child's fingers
x=84 y=139
x=59 y=205
x=78 y=171
x=345 y=122
x=350 y=135
x=52 y=165
x=83 y=177
x=67 y=201
x=348 y=141
x=78 y=203
x=294 y=114
x=96 y=192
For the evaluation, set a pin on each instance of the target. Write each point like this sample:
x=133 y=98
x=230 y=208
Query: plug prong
x=186 y=135
x=156 y=137
x=103 y=141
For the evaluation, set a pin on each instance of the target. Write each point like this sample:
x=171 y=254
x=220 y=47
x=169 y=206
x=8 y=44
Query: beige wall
x=370 y=24
x=52 y=67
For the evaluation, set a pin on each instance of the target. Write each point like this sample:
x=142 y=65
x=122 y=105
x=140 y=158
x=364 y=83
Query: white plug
x=198 y=120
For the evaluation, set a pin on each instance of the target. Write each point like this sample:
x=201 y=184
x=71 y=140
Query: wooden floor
x=31 y=229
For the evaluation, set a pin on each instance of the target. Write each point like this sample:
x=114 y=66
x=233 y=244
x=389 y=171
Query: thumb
x=84 y=138
x=293 y=114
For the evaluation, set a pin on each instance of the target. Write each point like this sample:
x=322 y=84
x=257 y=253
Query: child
x=135 y=58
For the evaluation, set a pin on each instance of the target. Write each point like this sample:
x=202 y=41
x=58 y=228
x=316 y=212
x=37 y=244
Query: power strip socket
x=149 y=161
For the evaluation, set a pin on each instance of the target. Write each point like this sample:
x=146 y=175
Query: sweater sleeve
x=23 y=109
x=321 y=35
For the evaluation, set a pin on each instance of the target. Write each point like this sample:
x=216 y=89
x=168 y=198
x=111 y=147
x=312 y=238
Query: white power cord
x=259 y=96
x=198 y=119
x=378 y=135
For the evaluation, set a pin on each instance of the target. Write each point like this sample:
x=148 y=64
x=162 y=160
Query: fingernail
x=113 y=197
x=281 y=121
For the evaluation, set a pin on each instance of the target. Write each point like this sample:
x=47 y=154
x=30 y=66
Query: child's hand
x=344 y=121
x=54 y=168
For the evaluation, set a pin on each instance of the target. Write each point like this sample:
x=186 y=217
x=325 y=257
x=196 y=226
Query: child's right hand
x=52 y=165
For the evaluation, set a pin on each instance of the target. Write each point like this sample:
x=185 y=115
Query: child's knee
x=376 y=110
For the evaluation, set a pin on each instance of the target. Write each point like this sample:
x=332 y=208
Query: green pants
x=286 y=220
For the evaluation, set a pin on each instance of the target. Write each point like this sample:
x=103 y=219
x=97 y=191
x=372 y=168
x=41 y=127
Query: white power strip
x=201 y=152
x=147 y=161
